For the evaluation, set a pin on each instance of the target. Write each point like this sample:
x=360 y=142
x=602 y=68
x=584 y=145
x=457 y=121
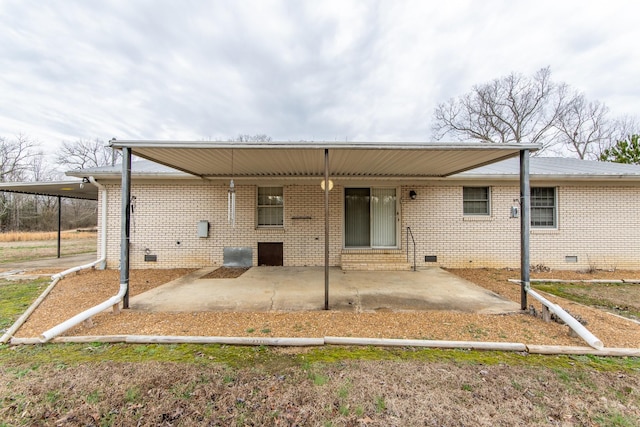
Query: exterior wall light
x=330 y=185
x=413 y=195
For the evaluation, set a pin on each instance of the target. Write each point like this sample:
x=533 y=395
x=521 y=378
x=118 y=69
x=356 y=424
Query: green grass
x=16 y=297
x=576 y=292
x=26 y=358
x=615 y=419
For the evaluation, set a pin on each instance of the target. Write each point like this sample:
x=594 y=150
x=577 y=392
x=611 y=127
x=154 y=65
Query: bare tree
x=510 y=109
x=83 y=154
x=584 y=127
x=15 y=155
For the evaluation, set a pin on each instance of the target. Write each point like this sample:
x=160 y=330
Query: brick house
x=583 y=214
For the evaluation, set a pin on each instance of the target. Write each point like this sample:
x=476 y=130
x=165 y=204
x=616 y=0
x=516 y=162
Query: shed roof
x=69 y=189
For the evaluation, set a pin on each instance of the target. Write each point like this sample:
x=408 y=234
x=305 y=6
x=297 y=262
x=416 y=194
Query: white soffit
x=286 y=159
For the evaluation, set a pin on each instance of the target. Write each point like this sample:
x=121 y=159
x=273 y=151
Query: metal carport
x=300 y=160
x=69 y=189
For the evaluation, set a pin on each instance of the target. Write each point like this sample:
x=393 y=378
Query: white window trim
x=478 y=215
x=258 y=206
x=554 y=227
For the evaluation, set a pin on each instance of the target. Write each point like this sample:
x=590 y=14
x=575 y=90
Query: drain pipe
x=583 y=332
x=114 y=302
x=122 y=295
x=103 y=225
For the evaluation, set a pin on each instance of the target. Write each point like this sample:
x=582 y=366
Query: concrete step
x=376 y=266
x=374 y=260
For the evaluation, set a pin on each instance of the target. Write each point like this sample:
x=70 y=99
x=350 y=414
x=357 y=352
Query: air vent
x=571 y=258
x=431 y=258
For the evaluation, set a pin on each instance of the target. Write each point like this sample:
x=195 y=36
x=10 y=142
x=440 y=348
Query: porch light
x=330 y=185
x=413 y=195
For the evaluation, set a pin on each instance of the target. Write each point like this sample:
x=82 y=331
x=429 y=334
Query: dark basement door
x=270 y=254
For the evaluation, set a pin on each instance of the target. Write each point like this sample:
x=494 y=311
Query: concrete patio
x=302 y=289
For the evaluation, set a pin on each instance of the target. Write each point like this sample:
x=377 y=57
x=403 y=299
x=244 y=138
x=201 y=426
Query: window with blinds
x=270 y=207
x=476 y=201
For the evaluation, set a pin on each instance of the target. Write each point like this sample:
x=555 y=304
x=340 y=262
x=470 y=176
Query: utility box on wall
x=203 y=229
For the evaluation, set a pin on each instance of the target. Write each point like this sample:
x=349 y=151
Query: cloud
x=330 y=70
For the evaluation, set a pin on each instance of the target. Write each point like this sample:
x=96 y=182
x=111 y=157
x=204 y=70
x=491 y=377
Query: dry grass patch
x=23 y=236
x=347 y=393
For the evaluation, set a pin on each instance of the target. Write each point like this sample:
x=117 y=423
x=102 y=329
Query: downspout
x=124 y=286
x=103 y=222
x=583 y=332
x=568 y=319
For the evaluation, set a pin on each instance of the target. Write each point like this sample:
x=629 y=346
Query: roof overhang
x=306 y=159
x=69 y=189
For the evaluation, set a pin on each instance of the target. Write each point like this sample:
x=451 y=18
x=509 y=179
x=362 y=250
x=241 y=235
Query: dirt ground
x=83 y=290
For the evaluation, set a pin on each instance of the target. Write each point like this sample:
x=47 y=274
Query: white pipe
x=81 y=317
x=475 y=345
x=59 y=276
x=553 y=349
x=271 y=341
x=583 y=332
x=303 y=342
x=103 y=226
x=12 y=330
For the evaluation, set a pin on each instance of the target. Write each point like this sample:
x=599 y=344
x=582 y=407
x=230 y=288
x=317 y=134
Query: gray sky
x=311 y=70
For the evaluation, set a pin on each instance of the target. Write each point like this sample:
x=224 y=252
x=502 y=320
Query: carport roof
x=69 y=189
x=348 y=159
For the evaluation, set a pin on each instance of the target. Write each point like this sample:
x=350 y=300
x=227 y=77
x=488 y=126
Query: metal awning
x=69 y=189
x=350 y=159
x=59 y=189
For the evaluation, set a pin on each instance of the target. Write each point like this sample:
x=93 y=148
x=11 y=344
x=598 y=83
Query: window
x=476 y=200
x=543 y=207
x=270 y=207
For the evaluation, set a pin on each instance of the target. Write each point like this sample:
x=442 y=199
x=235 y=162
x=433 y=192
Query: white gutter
x=583 y=332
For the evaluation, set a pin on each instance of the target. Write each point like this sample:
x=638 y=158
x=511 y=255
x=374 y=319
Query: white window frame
x=554 y=208
x=488 y=201
x=274 y=207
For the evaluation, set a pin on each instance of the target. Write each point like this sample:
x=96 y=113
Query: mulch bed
x=86 y=289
